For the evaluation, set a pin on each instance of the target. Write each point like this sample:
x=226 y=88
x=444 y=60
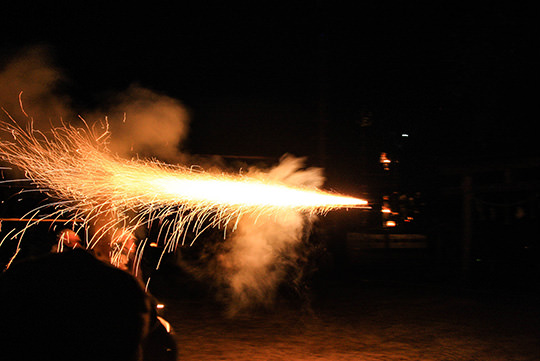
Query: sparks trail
x=74 y=165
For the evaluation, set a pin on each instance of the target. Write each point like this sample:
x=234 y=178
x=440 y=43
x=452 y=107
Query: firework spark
x=74 y=166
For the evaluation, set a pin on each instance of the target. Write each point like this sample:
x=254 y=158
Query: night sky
x=336 y=84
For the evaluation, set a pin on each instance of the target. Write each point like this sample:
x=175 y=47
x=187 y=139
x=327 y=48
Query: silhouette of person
x=71 y=306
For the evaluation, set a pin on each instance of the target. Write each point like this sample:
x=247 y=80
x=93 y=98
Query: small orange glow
x=153 y=244
x=68 y=238
x=385 y=161
x=384 y=158
x=386 y=210
x=160 y=306
x=390 y=224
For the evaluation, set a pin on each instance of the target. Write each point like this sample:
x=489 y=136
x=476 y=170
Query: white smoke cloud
x=149 y=124
x=33 y=73
x=142 y=121
x=264 y=250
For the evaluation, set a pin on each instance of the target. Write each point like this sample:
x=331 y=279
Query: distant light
x=386 y=210
x=385 y=161
x=404 y=135
x=160 y=306
x=390 y=224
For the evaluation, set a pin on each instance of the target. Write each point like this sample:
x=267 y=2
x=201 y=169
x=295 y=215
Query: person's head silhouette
x=70 y=306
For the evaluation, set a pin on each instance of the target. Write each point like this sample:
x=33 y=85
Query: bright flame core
x=245 y=192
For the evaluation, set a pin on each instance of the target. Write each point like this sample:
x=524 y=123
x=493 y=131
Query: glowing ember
x=75 y=166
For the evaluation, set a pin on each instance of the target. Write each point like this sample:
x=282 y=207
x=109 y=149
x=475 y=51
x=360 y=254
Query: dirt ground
x=348 y=319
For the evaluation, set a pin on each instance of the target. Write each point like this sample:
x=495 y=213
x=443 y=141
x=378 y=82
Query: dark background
x=337 y=84
x=340 y=84
x=260 y=79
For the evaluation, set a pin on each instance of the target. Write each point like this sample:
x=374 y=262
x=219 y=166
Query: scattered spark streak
x=51 y=220
x=75 y=166
x=21 y=104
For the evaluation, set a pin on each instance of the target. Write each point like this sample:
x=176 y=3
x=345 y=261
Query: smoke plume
x=265 y=250
x=147 y=124
x=29 y=87
x=142 y=121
